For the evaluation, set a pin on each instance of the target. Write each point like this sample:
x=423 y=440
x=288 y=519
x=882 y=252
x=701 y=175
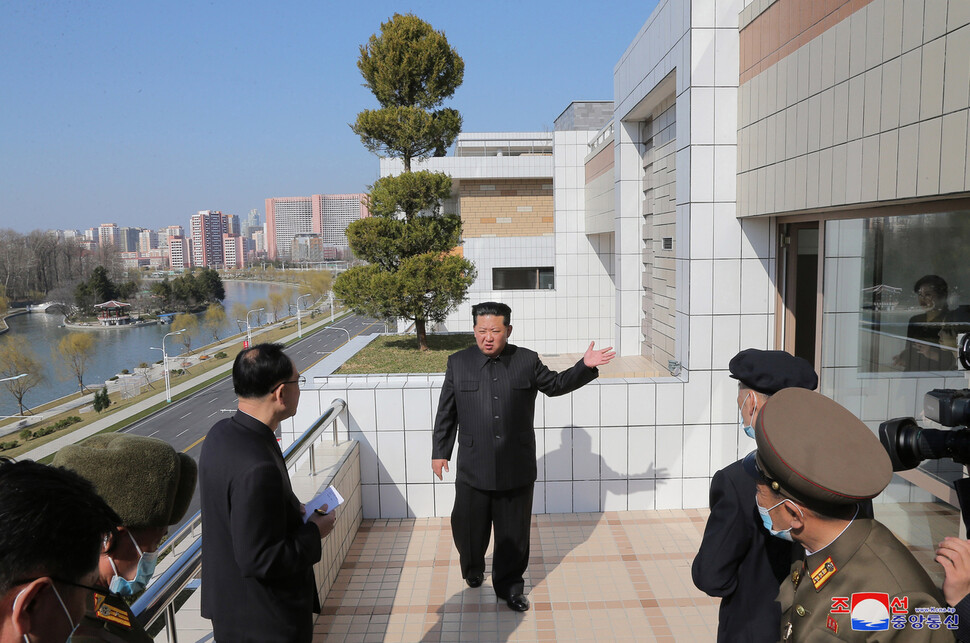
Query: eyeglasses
x=300 y=380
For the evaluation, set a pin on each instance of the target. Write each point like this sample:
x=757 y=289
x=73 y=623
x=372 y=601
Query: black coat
x=741 y=562
x=257 y=553
x=489 y=406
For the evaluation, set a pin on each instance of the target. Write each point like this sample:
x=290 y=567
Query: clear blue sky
x=143 y=112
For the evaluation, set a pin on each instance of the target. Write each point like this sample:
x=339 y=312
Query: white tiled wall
x=612 y=445
x=875 y=108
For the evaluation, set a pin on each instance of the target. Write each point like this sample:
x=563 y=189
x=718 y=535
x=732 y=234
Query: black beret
x=771 y=371
x=815 y=451
x=145 y=480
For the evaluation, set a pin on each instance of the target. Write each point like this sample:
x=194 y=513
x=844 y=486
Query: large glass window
x=896 y=294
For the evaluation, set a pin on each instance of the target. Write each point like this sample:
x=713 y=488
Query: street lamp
x=249 y=329
x=168 y=383
x=299 y=323
x=15 y=377
x=339 y=328
x=331 y=306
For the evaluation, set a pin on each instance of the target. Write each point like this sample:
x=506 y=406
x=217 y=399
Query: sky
x=142 y=113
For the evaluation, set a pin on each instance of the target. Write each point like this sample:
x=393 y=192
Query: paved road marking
x=212 y=400
x=152 y=433
x=211 y=414
x=186 y=415
x=191 y=446
x=186 y=430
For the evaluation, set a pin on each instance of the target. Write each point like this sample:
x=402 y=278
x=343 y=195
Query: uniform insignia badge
x=832 y=624
x=106 y=612
x=823 y=573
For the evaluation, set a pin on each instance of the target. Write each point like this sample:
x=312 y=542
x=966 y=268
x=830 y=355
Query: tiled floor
x=616 y=576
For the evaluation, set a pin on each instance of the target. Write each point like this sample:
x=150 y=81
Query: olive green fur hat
x=144 y=480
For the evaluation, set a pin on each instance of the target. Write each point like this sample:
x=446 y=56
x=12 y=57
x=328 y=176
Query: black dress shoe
x=475 y=581
x=518 y=602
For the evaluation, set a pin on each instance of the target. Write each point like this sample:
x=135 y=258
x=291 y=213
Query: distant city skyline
x=143 y=115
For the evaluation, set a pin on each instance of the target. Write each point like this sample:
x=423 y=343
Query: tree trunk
x=419 y=329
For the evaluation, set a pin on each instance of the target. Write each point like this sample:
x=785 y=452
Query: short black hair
x=491 y=308
x=937 y=283
x=259 y=369
x=53 y=523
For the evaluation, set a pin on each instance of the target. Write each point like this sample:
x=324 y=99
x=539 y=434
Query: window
x=523 y=278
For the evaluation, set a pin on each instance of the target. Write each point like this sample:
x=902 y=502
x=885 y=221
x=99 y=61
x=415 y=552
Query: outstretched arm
x=592 y=358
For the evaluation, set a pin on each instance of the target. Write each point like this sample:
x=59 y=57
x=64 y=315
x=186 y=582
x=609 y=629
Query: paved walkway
x=615 y=576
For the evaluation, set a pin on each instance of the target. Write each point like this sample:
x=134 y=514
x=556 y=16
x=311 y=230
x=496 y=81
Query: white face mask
x=747 y=428
x=146 y=567
x=63 y=606
x=784 y=534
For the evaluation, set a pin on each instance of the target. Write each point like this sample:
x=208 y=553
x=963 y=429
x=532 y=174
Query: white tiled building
x=765 y=167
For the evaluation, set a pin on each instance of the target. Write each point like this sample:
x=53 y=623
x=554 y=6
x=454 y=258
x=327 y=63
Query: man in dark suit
x=738 y=560
x=488 y=404
x=257 y=552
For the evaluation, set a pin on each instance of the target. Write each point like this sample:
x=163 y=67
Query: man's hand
x=954 y=555
x=324 y=524
x=437 y=466
x=592 y=358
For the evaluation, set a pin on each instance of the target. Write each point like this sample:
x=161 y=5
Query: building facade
x=771 y=174
x=325 y=215
x=207 y=228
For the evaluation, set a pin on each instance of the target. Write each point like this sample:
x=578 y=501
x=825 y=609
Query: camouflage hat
x=145 y=480
x=814 y=451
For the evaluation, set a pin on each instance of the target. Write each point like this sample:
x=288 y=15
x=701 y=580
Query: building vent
x=668 y=243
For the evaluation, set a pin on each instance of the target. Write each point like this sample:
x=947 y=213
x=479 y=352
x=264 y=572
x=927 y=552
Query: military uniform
x=861 y=584
x=108 y=618
x=817 y=598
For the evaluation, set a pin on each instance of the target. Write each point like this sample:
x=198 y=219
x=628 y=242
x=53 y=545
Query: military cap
x=145 y=480
x=814 y=451
x=771 y=371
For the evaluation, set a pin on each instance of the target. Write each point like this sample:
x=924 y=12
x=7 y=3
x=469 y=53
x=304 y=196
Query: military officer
x=149 y=485
x=815 y=463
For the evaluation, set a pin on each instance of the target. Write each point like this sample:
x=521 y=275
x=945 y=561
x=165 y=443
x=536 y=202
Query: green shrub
x=143 y=365
x=8 y=445
x=220 y=355
x=25 y=434
x=124 y=371
x=112 y=378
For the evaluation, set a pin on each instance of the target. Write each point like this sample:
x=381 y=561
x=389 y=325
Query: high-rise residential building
x=259 y=241
x=327 y=215
x=109 y=234
x=147 y=240
x=128 y=239
x=232 y=224
x=179 y=252
x=207 y=228
x=250 y=223
x=236 y=250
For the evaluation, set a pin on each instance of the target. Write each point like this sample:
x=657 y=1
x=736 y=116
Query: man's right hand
x=437 y=466
x=324 y=524
x=954 y=555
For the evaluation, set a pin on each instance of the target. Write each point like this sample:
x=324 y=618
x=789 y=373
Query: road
x=185 y=423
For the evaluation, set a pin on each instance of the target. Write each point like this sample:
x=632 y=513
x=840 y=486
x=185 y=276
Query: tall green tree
x=412 y=273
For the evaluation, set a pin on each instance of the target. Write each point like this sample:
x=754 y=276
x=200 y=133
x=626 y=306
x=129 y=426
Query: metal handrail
x=158 y=598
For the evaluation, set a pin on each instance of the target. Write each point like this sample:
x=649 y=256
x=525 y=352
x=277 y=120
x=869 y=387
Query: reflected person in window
x=928 y=341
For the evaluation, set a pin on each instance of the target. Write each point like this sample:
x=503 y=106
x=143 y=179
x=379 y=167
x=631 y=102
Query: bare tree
x=74 y=352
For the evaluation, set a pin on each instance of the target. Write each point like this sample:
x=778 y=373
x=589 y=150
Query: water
x=115 y=349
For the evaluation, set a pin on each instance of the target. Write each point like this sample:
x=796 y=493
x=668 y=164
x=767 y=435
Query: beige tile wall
x=875 y=108
x=509 y=208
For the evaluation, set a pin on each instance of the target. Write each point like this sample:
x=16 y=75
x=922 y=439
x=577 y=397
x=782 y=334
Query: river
x=117 y=349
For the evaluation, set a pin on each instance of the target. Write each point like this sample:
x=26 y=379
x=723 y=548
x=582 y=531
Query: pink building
x=327 y=215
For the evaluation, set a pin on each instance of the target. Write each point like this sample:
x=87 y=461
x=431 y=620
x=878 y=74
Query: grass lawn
x=395 y=354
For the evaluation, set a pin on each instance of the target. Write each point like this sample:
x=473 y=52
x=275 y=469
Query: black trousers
x=510 y=512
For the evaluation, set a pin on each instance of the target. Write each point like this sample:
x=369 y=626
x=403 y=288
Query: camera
x=908 y=444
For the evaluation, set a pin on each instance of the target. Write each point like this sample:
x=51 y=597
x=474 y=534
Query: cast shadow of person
x=573 y=465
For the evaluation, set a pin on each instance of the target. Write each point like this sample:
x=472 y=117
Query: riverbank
x=13 y=313
x=124 y=411
x=99 y=326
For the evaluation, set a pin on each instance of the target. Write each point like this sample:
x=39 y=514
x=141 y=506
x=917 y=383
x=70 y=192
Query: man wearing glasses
x=53 y=524
x=257 y=552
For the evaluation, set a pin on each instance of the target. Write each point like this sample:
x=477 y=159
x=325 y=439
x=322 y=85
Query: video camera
x=908 y=444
